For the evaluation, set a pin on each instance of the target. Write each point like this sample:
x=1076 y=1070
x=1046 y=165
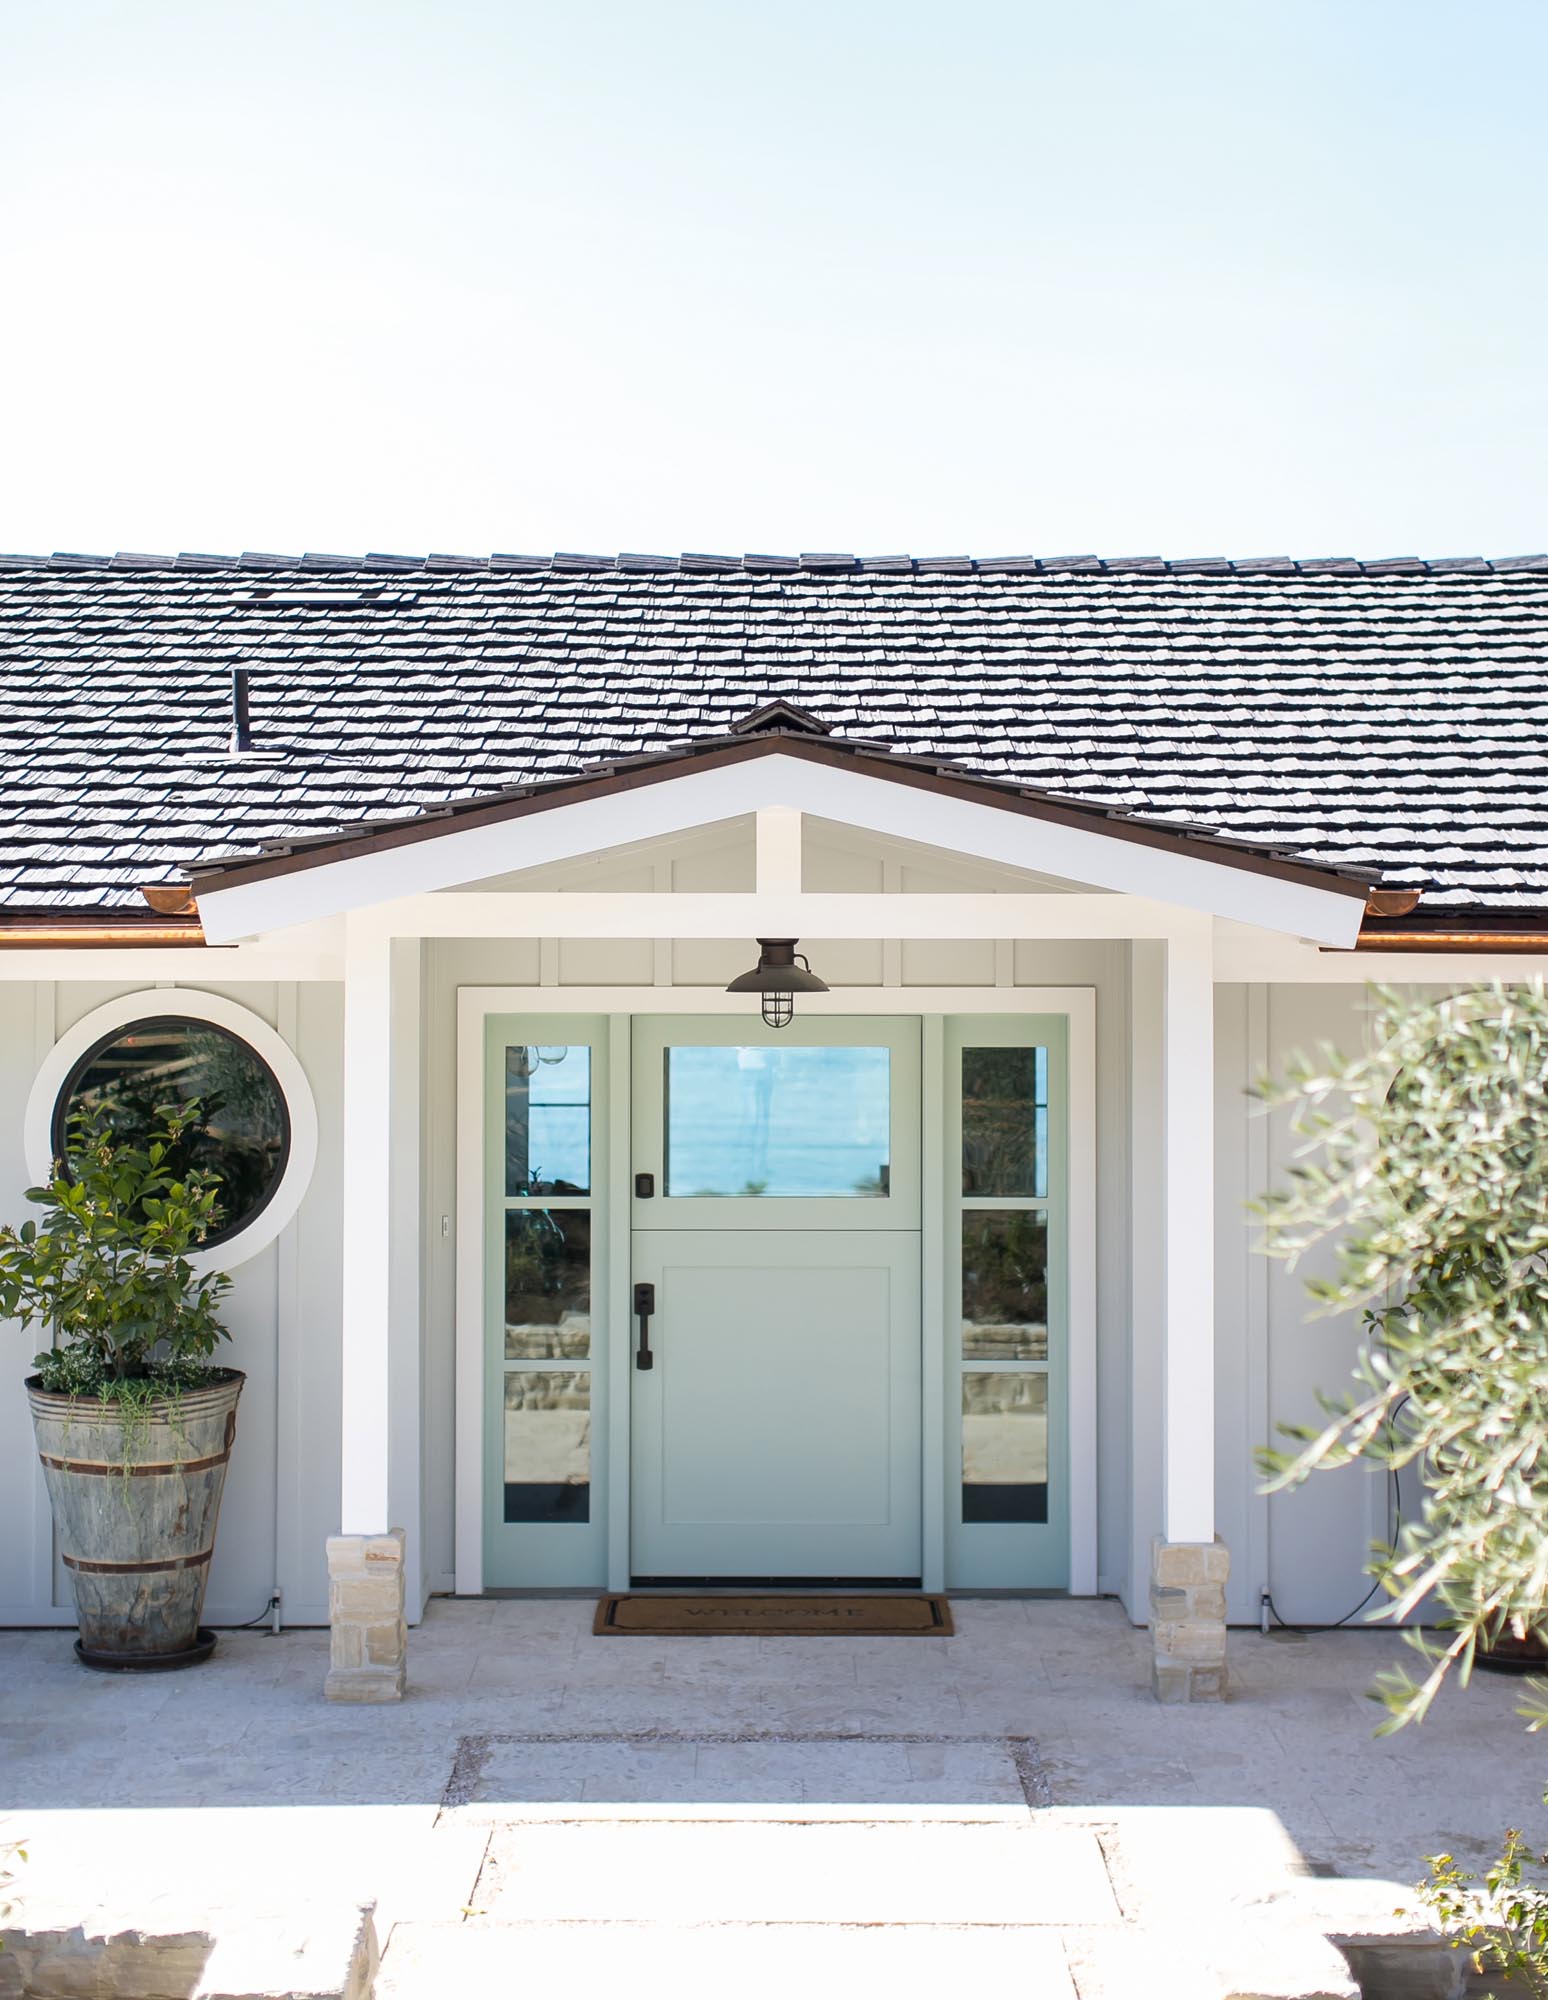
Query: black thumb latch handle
x=644 y=1305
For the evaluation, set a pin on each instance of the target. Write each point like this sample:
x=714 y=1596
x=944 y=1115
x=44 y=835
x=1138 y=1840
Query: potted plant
x=134 y=1423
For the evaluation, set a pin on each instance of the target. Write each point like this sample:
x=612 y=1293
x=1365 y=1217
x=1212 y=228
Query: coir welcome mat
x=776 y=1614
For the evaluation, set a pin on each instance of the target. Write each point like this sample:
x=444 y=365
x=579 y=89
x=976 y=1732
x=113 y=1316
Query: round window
x=242 y=1135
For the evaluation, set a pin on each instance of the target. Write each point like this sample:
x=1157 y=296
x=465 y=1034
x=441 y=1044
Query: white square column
x=373 y=1563
x=1188 y=1565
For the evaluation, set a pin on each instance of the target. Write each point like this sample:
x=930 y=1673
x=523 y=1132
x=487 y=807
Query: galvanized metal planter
x=136 y=1496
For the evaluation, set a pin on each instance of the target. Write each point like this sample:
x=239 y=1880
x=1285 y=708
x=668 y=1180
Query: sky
x=1133 y=277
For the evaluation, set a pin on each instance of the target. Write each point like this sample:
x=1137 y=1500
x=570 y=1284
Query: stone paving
x=1011 y=1790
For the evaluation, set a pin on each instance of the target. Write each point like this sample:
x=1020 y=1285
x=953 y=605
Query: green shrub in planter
x=128 y=1387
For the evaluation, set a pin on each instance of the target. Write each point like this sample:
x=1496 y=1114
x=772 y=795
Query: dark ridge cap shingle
x=189 y=559
x=703 y=562
x=518 y=562
x=816 y=560
x=133 y=559
x=23 y=562
x=782 y=564
x=944 y=565
x=257 y=559
x=888 y=565
x=67 y=559
x=1056 y=565
x=648 y=562
x=377 y=560
x=566 y=559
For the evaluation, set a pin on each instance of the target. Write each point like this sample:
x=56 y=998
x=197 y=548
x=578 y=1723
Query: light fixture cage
x=780 y=974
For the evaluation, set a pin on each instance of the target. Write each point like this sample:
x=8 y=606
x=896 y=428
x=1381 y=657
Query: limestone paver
x=770 y=1963
x=768 y=1872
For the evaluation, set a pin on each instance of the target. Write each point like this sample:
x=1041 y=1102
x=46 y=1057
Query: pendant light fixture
x=780 y=974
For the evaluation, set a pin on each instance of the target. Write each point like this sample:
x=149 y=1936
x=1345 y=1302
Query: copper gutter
x=38 y=933
x=1458 y=940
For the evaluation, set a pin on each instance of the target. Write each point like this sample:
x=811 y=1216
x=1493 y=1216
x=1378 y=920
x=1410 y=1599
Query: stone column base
x=366 y=1617
x=1187 y=1619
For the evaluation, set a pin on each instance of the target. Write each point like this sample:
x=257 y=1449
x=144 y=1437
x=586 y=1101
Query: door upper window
x=813 y=1123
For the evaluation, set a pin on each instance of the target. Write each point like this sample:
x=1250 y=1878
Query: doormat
x=766 y=1617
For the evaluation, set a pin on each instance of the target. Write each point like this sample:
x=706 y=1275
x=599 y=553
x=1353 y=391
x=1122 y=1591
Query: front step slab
x=753 y=1962
x=676 y=1872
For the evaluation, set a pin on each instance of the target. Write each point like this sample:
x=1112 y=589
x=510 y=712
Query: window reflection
x=547 y=1445
x=800 y=1122
x=1005 y=1446
x=1004 y=1285
x=1005 y=1122
x=547 y=1284
x=547 y=1120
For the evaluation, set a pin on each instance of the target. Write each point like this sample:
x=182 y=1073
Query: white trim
x=932 y=1300
x=147 y=1003
x=694 y=798
x=1188 y=1281
x=475 y=1003
x=618 y=1278
x=773 y=912
x=1081 y=1166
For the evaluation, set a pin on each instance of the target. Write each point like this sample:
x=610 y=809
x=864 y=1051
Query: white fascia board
x=856 y=798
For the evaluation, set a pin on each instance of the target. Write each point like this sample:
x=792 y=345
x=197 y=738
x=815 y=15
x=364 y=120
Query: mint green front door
x=775 y=1223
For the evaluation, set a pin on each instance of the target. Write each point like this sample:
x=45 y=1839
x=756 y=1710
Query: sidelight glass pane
x=547 y=1445
x=1004 y=1285
x=547 y=1120
x=778 y=1122
x=1005 y=1122
x=547 y=1284
x=1005 y=1446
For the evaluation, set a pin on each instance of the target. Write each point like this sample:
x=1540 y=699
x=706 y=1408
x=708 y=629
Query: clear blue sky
x=1180 y=277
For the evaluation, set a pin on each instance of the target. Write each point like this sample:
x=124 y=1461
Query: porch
x=529 y=1744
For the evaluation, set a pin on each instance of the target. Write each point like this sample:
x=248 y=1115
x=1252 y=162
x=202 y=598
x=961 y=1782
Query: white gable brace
x=697 y=797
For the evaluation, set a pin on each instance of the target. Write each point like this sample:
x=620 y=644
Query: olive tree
x=1425 y=1160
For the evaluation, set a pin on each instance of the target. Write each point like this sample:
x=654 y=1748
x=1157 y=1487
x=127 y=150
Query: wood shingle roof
x=1390 y=718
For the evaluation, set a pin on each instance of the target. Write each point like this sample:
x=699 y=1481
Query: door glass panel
x=547 y=1120
x=1004 y=1446
x=1004 y=1285
x=547 y=1445
x=1005 y=1122
x=547 y=1284
x=778 y=1122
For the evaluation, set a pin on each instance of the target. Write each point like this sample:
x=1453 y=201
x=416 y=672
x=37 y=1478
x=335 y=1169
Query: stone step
x=755 y=1962
x=789 y=1872
x=320 y=1952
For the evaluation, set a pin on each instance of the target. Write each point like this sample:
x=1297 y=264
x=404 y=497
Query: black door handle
x=644 y=1305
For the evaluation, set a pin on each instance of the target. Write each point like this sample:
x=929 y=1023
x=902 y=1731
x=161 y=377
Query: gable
x=879 y=795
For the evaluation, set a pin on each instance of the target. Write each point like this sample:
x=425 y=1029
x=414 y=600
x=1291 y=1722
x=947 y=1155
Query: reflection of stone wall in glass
x=547 y=1284
x=1004 y=1285
x=547 y=1445
x=1004 y=1446
x=1005 y=1122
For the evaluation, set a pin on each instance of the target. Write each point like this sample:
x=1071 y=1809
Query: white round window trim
x=189 y=1004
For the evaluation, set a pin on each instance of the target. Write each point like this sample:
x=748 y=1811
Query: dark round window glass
x=242 y=1135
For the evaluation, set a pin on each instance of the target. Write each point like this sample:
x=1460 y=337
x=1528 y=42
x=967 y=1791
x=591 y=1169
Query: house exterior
x=556 y=1267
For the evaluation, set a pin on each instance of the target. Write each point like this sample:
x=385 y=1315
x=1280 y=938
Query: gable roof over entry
x=1390 y=718
x=787 y=761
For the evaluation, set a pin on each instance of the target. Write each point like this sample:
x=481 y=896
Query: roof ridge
x=565 y=563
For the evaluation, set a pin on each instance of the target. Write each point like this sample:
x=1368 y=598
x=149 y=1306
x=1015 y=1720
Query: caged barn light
x=780 y=974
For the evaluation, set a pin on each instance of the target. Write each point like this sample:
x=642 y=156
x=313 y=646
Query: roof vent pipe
x=241 y=714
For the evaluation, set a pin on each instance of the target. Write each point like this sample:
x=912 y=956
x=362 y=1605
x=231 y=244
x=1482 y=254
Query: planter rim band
x=118 y=1568
x=108 y=1470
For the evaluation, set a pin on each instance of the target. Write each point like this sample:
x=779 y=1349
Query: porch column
x=1188 y=1564
x=368 y=1561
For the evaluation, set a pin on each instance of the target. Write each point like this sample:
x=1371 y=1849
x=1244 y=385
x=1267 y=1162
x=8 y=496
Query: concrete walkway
x=1006 y=1804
